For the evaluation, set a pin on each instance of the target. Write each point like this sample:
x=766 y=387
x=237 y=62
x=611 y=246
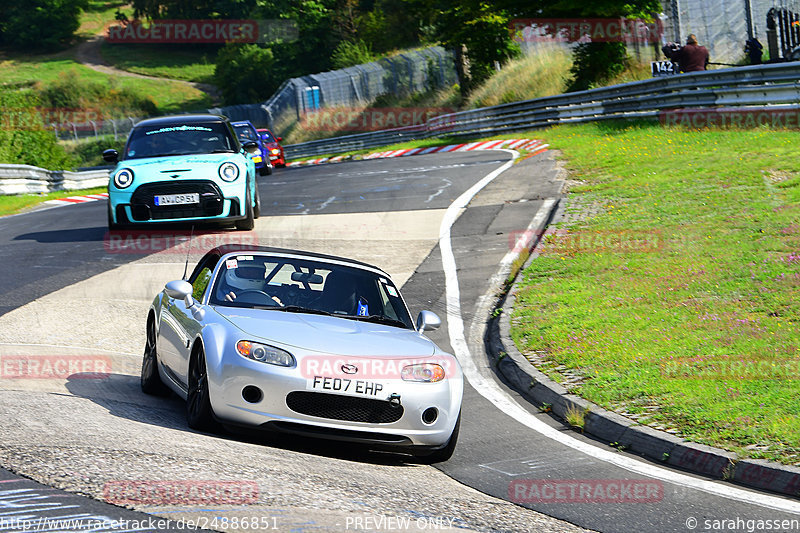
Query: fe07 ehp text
x=346 y=385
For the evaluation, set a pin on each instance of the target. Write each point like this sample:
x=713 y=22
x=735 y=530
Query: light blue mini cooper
x=185 y=168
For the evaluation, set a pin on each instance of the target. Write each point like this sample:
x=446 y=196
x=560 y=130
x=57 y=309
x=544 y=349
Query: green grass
x=99 y=14
x=168 y=96
x=530 y=76
x=679 y=302
x=17 y=203
x=188 y=63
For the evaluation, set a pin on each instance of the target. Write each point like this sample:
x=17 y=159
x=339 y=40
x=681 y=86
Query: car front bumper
x=289 y=402
x=218 y=202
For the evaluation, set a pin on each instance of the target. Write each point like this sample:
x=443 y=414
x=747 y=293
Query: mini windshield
x=266 y=136
x=179 y=139
x=245 y=133
x=305 y=286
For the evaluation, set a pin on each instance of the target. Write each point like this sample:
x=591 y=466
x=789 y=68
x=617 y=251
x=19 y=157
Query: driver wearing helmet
x=245 y=278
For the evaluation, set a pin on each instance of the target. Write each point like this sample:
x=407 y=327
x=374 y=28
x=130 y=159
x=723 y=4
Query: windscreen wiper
x=379 y=319
x=300 y=309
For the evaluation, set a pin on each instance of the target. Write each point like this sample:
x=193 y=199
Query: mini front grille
x=144 y=208
x=338 y=407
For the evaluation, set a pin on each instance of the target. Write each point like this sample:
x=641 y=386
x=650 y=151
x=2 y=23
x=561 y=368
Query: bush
x=90 y=153
x=73 y=92
x=596 y=63
x=242 y=73
x=24 y=139
x=40 y=24
x=347 y=54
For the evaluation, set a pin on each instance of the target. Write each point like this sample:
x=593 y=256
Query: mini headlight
x=264 y=353
x=275 y=151
x=424 y=372
x=123 y=178
x=228 y=171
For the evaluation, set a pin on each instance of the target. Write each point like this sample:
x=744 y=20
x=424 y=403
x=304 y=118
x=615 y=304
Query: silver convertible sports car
x=307 y=344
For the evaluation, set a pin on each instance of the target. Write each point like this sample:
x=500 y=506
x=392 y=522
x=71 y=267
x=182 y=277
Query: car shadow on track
x=121 y=395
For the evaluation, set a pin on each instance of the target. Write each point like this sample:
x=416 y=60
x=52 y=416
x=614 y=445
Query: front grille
x=338 y=407
x=143 y=204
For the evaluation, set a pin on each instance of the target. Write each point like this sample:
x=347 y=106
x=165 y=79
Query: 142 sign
x=664 y=68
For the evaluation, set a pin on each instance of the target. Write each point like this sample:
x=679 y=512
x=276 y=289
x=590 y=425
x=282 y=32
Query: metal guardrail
x=25 y=179
x=759 y=86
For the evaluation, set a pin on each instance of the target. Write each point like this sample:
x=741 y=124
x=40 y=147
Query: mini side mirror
x=428 y=321
x=279 y=139
x=110 y=156
x=251 y=147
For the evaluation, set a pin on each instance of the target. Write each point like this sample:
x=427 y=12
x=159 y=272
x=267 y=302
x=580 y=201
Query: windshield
x=304 y=286
x=179 y=139
x=266 y=136
x=245 y=133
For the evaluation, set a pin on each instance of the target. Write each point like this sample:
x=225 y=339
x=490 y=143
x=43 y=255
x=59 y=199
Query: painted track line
x=483 y=380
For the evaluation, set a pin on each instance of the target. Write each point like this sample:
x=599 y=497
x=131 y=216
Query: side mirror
x=279 y=139
x=251 y=147
x=179 y=289
x=428 y=321
x=110 y=156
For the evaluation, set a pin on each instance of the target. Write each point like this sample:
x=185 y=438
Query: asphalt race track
x=68 y=292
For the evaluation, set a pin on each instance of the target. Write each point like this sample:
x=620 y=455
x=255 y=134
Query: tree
x=240 y=73
x=597 y=62
x=41 y=25
x=481 y=27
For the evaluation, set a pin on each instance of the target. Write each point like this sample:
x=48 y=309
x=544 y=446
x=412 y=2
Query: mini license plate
x=177 y=199
x=345 y=385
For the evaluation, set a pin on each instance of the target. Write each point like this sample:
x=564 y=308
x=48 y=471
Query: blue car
x=247 y=133
x=185 y=168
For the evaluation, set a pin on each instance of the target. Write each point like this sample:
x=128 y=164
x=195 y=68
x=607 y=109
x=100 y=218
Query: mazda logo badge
x=349 y=369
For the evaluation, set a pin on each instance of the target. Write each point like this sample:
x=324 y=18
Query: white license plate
x=177 y=199
x=356 y=387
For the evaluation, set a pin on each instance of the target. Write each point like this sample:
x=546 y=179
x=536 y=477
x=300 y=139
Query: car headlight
x=228 y=171
x=275 y=151
x=424 y=372
x=123 y=178
x=264 y=353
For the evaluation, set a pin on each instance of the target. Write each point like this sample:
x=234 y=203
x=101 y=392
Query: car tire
x=266 y=170
x=257 y=208
x=199 y=413
x=150 y=380
x=249 y=222
x=443 y=454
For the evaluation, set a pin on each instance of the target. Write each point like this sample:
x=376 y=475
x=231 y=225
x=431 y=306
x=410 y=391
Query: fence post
x=114 y=124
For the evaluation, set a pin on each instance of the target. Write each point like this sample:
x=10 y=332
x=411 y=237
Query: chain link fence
x=400 y=75
x=722 y=26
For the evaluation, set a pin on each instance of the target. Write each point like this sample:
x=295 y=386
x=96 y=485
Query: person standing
x=692 y=57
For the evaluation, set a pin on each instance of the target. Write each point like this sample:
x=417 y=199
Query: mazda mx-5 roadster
x=307 y=344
